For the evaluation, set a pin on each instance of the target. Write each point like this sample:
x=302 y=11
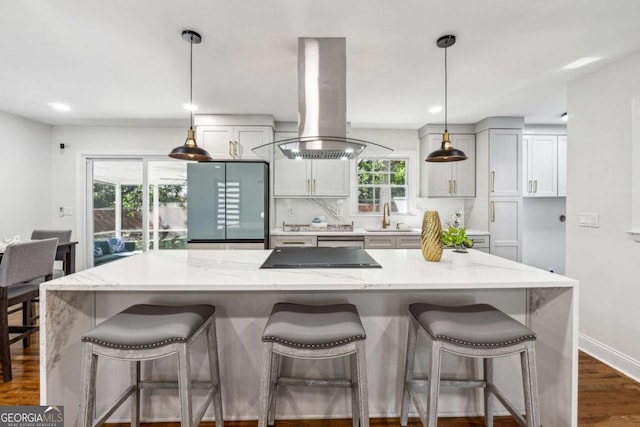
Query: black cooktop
x=307 y=257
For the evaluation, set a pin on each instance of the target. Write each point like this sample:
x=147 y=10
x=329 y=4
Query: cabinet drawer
x=408 y=242
x=379 y=242
x=288 y=241
x=479 y=241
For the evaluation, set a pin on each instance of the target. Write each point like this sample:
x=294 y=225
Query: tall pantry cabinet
x=505 y=192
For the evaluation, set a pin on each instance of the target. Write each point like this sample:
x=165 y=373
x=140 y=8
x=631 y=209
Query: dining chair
x=63 y=236
x=21 y=263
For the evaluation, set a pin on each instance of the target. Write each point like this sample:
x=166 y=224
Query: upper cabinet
x=310 y=178
x=540 y=163
x=545 y=165
x=451 y=179
x=319 y=178
x=505 y=160
x=232 y=142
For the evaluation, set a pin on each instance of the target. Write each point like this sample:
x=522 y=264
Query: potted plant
x=457 y=238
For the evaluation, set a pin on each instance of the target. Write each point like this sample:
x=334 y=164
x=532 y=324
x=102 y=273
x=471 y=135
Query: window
x=382 y=181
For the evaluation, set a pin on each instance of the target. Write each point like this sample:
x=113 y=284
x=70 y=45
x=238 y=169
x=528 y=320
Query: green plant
x=456 y=237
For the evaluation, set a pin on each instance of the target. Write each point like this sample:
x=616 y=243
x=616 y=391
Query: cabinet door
x=505 y=160
x=464 y=172
x=542 y=166
x=292 y=177
x=504 y=227
x=330 y=178
x=217 y=140
x=439 y=175
x=379 y=242
x=562 y=166
x=288 y=241
x=245 y=138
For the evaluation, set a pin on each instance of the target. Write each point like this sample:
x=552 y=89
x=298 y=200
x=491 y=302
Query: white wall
x=543 y=234
x=68 y=180
x=25 y=171
x=605 y=260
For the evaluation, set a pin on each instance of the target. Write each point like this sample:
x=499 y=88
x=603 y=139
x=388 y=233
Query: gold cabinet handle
x=308 y=185
x=535 y=186
x=493 y=211
x=230 y=149
x=455 y=186
x=235 y=149
x=291 y=242
x=493 y=181
x=314 y=186
x=449 y=186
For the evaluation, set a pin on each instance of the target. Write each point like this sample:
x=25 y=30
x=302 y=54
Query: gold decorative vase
x=431 y=234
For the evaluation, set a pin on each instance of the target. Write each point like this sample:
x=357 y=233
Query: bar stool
x=313 y=332
x=479 y=331
x=146 y=332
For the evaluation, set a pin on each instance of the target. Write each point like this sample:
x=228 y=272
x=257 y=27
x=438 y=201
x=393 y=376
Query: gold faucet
x=386 y=213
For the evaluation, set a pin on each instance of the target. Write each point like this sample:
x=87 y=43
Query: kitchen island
x=244 y=294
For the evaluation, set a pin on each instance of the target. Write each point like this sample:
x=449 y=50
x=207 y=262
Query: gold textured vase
x=431 y=234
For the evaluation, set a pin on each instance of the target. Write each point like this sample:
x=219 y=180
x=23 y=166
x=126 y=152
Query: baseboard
x=618 y=361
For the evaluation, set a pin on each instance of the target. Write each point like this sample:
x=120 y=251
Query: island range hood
x=322 y=107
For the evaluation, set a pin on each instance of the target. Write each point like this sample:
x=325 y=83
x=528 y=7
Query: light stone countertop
x=363 y=232
x=239 y=270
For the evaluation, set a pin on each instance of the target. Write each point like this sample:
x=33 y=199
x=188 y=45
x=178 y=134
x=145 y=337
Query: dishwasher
x=340 y=241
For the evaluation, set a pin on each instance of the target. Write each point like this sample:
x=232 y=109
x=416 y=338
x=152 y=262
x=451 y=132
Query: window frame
x=409 y=164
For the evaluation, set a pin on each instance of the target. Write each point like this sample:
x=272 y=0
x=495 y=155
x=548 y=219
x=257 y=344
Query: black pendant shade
x=190 y=150
x=446 y=153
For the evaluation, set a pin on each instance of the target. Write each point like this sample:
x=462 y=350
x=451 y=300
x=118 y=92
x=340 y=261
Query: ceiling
x=124 y=62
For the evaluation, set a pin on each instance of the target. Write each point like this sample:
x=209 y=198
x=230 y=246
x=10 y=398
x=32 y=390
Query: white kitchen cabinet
x=392 y=242
x=505 y=228
x=232 y=142
x=315 y=178
x=562 y=166
x=481 y=242
x=505 y=160
x=452 y=179
x=540 y=163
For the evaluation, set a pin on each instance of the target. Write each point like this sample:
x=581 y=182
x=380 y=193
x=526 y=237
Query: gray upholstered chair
x=313 y=332
x=63 y=236
x=146 y=332
x=21 y=263
x=478 y=331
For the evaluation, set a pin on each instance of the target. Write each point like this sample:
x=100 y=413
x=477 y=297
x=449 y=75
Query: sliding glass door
x=134 y=204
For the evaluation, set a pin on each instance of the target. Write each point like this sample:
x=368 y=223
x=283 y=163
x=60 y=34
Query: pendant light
x=190 y=150
x=446 y=153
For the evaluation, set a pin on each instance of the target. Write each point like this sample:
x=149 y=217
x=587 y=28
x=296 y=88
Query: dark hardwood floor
x=606 y=398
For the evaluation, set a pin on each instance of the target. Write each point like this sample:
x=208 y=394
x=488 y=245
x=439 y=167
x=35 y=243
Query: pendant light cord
x=191 y=81
x=445 y=90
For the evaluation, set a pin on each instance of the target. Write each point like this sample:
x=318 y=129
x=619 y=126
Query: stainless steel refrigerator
x=228 y=205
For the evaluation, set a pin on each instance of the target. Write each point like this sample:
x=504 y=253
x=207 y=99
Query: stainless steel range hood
x=322 y=107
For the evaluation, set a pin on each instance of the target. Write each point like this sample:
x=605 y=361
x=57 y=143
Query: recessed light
x=564 y=117
x=435 y=109
x=190 y=107
x=58 y=106
x=582 y=62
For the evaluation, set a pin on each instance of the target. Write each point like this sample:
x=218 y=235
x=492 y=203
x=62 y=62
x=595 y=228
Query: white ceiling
x=123 y=61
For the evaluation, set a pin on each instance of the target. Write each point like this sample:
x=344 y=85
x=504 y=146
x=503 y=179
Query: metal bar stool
x=147 y=332
x=313 y=332
x=479 y=331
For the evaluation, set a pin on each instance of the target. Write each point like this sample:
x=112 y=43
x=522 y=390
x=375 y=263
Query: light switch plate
x=588 y=219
